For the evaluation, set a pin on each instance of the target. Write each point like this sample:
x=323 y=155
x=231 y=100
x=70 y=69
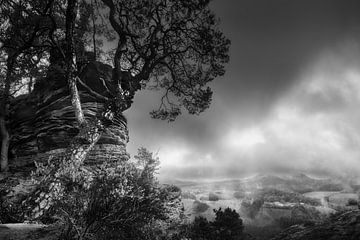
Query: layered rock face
x=43 y=123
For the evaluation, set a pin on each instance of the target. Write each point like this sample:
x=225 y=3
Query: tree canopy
x=170 y=45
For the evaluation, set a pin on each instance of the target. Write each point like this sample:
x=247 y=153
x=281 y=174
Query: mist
x=288 y=102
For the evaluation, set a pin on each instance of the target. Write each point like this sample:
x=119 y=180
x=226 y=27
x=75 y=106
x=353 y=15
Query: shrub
x=352 y=202
x=200 y=207
x=114 y=201
x=239 y=195
x=251 y=208
x=201 y=229
x=213 y=197
x=227 y=226
x=188 y=195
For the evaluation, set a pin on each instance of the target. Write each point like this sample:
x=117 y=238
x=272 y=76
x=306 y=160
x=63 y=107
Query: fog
x=289 y=101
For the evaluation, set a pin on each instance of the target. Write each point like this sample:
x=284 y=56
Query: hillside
x=341 y=226
x=269 y=204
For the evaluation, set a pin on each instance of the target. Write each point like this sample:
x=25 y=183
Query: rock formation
x=42 y=123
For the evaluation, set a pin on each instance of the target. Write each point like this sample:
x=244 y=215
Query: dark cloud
x=292 y=78
x=271 y=40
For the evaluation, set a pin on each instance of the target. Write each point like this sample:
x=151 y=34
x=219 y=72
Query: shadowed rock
x=43 y=123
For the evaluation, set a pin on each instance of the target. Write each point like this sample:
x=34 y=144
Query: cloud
x=314 y=127
x=289 y=100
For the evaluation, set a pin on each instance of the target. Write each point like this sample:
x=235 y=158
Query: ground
x=22 y=231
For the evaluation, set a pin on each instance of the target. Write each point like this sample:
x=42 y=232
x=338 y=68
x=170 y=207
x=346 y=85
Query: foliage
x=331 y=187
x=115 y=200
x=171 y=45
x=275 y=195
x=251 y=208
x=200 y=207
x=213 y=197
x=23 y=34
x=188 y=195
x=201 y=229
x=227 y=226
x=352 y=202
x=285 y=222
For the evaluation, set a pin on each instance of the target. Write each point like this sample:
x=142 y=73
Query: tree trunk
x=4 y=145
x=4 y=162
x=71 y=12
x=93 y=18
x=66 y=166
x=70 y=163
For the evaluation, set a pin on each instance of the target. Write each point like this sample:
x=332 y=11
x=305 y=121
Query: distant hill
x=341 y=226
x=299 y=183
x=268 y=204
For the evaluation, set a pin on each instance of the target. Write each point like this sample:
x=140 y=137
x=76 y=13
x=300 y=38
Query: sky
x=288 y=102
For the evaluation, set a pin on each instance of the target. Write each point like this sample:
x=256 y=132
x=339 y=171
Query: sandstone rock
x=42 y=123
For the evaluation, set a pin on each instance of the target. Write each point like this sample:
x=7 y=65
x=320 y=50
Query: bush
x=285 y=222
x=200 y=207
x=188 y=195
x=227 y=226
x=115 y=201
x=352 y=202
x=251 y=208
x=201 y=229
x=239 y=195
x=213 y=197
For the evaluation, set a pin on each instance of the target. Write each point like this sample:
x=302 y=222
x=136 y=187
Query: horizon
x=250 y=176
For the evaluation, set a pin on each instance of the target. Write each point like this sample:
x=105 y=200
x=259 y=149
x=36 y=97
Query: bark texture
x=4 y=145
x=4 y=162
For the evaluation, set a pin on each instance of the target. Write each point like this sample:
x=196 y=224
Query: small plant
x=352 y=202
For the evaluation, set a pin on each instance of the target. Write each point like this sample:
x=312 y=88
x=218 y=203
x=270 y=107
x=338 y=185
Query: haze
x=289 y=101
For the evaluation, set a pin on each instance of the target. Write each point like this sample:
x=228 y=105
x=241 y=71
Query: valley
x=269 y=204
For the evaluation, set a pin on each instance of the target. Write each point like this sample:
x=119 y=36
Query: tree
x=168 y=45
x=201 y=229
x=252 y=207
x=228 y=224
x=21 y=37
